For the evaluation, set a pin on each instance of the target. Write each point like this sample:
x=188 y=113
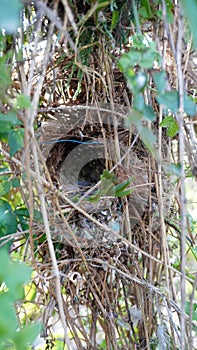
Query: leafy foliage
x=12 y=278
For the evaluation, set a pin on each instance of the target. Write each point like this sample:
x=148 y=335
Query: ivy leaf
x=8 y=222
x=146 y=134
x=135 y=118
x=5 y=187
x=160 y=81
x=170 y=99
x=190 y=10
x=15 y=183
x=148 y=138
x=15 y=140
x=189 y=106
x=170 y=123
x=7 y=122
x=149 y=112
x=9 y=15
x=129 y=59
x=149 y=56
x=26 y=336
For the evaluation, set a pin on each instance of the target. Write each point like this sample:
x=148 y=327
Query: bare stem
x=182 y=184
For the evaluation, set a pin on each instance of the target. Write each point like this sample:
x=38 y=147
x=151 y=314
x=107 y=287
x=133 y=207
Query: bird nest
x=91 y=156
x=107 y=243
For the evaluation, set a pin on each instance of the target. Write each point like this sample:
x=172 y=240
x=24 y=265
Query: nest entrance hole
x=79 y=153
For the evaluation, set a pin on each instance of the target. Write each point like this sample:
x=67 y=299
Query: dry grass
x=106 y=270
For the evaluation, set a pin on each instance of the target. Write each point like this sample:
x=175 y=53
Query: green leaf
x=23 y=101
x=138 y=103
x=173 y=169
x=194 y=252
x=160 y=81
x=129 y=60
x=16 y=138
x=194 y=310
x=107 y=175
x=5 y=187
x=148 y=138
x=148 y=58
x=9 y=15
x=23 y=218
x=107 y=188
x=124 y=193
x=189 y=106
x=26 y=336
x=190 y=11
x=15 y=183
x=123 y=185
x=8 y=321
x=146 y=134
x=15 y=274
x=38 y=216
x=134 y=118
x=149 y=112
x=5 y=79
x=141 y=107
x=170 y=123
x=8 y=222
x=137 y=82
x=7 y=122
x=170 y=99
x=115 y=19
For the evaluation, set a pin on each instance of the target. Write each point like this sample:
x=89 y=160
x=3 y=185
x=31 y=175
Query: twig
x=180 y=117
x=53 y=18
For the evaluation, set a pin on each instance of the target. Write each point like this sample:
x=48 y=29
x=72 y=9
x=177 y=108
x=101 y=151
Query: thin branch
x=180 y=116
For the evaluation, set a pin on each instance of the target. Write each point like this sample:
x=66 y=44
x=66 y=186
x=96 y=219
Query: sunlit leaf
x=15 y=183
x=4 y=187
x=8 y=222
x=26 y=336
x=8 y=321
x=170 y=123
